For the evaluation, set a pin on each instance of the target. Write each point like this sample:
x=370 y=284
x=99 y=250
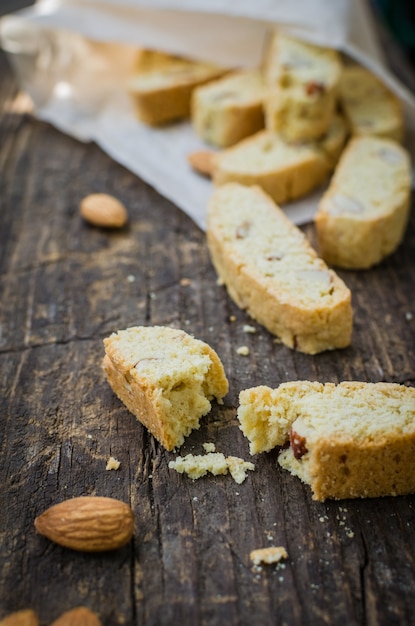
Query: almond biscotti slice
x=285 y=171
x=272 y=272
x=229 y=109
x=165 y=377
x=349 y=440
x=362 y=216
x=162 y=85
x=369 y=106
x=303 y=81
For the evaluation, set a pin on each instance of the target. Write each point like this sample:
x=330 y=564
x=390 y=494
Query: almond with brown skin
x=81 y=616
x=87 y=523
x=101 y=209
x=26 y=617
x=202 y=161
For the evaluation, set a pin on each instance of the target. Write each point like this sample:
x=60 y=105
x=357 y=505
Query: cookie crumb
x=238 y=468
x=269 y=555
x=196 y=466
x=249 y=329
x=112 y=464
x=243 y=350
x=185 y=282
x=209 y=447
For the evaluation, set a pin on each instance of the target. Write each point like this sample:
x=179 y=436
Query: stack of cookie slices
x=304 y=119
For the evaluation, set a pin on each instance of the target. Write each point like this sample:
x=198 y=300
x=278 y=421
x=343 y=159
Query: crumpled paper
x=74 y=58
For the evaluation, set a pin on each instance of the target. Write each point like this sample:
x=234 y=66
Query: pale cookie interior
x=196 y=466
x=165 y=377
x=345 y=441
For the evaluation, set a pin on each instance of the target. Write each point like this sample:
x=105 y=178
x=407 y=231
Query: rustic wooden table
x=64 y=287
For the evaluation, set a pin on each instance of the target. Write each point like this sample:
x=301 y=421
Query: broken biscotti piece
x=285 y=171
x=349 y=440
x=369 y=106
x=302 y=81
x=272 y=272
x=362 y=216
x=165 y=377
x=229 y=109
x=162 y=85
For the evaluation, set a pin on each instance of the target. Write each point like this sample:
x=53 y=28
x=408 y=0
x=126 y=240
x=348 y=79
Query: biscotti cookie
x=271 y=271
x=363 y=215
x=349 y=440
x=285 y=171
x=229 y=109
x=165 y=377
x=368 y=105
x=302 y=81
x=162 y=85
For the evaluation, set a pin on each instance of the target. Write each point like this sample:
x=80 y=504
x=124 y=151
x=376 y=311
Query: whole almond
x=101 y=209
x=26 y=617
x=81 y=616
x=202 y=161
x=87 y=523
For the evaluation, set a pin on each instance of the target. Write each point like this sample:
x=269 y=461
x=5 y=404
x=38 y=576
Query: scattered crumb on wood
x=238 y=468
x=196 y=466
x=112 y=464
x=243 y=351
x=273 y=554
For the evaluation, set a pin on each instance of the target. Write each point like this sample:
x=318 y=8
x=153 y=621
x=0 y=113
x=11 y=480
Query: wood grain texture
x=64 y=286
